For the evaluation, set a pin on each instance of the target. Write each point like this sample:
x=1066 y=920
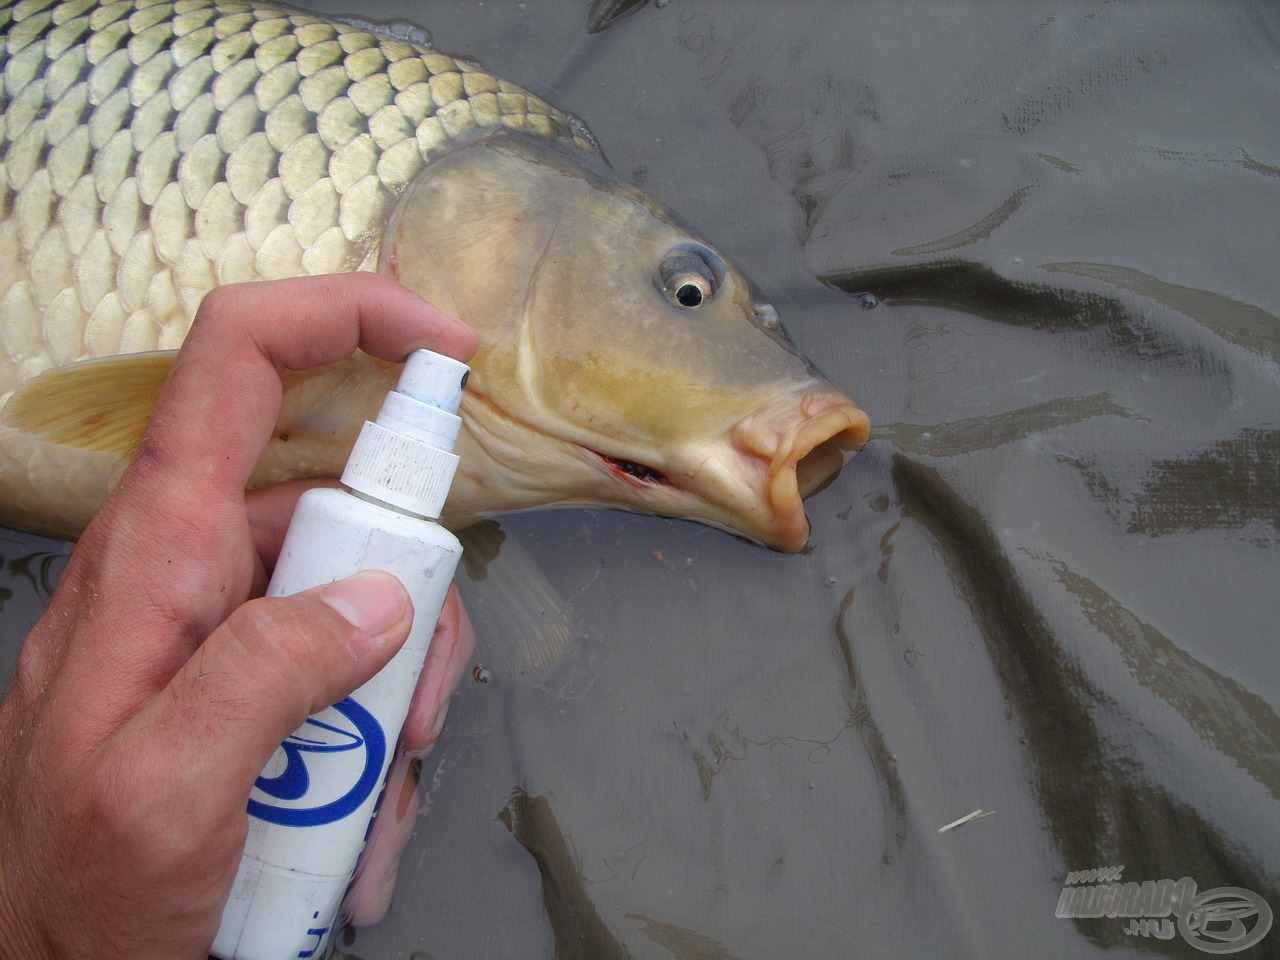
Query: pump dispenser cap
x=406 y=458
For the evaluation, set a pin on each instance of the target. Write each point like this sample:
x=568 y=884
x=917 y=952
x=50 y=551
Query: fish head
x=624 y=362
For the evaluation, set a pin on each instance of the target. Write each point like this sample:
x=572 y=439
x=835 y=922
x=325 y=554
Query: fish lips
x=753 y=480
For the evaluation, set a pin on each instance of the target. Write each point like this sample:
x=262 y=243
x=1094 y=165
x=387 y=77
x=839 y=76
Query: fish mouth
x=753 y=481
x=788 y=452
x=633 y=472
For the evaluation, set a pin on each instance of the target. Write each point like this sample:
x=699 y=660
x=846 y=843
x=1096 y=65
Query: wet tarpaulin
x=1037 y=242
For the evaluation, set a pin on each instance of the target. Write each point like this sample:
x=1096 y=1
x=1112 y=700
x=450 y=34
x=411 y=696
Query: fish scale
x=150 y=151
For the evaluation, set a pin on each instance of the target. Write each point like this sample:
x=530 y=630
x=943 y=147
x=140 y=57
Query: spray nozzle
x=405 y=459
x=434 y=379
x=425 y=401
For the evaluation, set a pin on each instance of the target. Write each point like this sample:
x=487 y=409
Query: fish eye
x=690 y=276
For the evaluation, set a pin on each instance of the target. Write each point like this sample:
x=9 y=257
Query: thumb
x=274 y=662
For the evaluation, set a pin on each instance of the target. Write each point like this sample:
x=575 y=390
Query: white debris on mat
x=976 y=815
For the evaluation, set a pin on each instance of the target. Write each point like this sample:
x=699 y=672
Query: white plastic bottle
x=310 y=811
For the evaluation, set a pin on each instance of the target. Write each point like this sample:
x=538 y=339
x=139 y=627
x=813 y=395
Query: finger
x=270 y=509
x=369 y=896
x=448 y=660
x=244 y=335
x=258 y=677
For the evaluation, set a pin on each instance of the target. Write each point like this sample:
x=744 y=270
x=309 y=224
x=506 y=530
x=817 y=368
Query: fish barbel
x=150 y=151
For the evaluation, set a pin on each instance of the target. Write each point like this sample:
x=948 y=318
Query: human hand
x=150 y=695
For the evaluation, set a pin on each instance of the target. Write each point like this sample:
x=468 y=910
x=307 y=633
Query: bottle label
x=326 y=770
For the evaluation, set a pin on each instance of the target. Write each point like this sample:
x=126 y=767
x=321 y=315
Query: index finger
x=243 y=336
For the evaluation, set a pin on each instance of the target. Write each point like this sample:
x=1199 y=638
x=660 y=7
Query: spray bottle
x=310 y=810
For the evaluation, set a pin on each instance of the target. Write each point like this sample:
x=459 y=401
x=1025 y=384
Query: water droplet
x=869 y=301
x=481 y=674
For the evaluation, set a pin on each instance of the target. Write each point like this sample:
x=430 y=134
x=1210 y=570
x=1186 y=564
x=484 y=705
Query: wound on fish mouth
x=636 y=471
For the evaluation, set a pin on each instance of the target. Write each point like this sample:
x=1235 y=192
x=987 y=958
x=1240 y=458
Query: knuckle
x=32 y=673
x=220 y=301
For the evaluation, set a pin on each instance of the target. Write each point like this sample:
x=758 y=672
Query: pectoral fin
x=98 y=405
x=68 y=433
x=523 y=626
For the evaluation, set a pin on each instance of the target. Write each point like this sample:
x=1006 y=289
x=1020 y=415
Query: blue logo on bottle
x=331 y=766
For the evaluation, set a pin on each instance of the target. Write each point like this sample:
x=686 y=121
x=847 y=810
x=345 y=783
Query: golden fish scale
x=150 y=151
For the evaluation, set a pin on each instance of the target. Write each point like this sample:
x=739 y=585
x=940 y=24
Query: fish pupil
x=689 y=295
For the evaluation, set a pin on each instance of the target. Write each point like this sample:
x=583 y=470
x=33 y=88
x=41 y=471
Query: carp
x=150 y=151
